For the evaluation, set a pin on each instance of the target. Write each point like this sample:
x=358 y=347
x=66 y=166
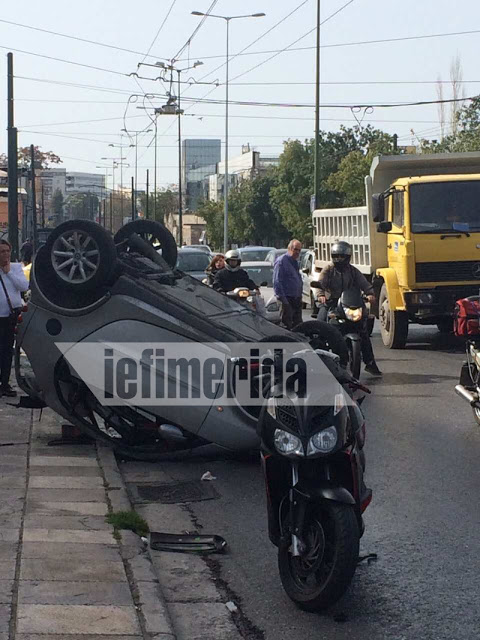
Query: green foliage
x=82 y=205
x=212 y=213
x=43 y=159
x=467 y=136
x=165 y=202
x=57 y=204
x=129 y=520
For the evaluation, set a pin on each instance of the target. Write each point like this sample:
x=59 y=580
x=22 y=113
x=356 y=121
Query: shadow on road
x=409 y=378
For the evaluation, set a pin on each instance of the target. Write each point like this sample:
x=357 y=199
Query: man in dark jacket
x=232 y=276
x=336 y=278
x=287 y=284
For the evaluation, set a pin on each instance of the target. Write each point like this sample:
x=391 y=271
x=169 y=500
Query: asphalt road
x=423 y=463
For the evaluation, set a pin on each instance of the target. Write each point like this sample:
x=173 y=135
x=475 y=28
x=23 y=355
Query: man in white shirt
x=12 y=284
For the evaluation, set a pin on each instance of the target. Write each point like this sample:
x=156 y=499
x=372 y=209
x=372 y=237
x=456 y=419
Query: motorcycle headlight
x=354 y=315
x=323 y=442
x=272 y=307
x=287 y=444
x=243 y=293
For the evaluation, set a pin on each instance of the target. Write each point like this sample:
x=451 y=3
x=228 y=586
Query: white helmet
x=233 y=254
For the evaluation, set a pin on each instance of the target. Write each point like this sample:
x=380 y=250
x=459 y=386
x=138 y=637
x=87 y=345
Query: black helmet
x=341 y=253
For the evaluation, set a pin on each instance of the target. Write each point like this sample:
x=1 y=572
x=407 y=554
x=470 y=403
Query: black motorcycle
x=349 y=316
x=313 y=462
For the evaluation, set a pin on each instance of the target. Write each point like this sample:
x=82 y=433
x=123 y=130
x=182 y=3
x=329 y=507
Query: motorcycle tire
x=322 y=335
x=476 y=414
x=79 y=257
x=155 y=234
x=321 y=576
x=354 y=357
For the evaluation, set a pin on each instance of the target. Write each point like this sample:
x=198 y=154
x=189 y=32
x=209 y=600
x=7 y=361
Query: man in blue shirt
x=287 y=284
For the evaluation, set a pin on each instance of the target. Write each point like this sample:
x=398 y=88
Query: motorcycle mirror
x=305 y=270
x=315 y=285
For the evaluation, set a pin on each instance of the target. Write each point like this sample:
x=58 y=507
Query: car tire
x=155 y=234
x=80 y=257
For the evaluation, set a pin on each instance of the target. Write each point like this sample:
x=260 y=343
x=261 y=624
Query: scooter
x=313 y=463
x=250 y=298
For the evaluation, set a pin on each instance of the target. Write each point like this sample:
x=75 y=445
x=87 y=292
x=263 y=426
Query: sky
x=76 y=111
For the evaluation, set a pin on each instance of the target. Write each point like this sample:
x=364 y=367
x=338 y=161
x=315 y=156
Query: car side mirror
x=378 y=207
x=384 y=227
x=315 y=285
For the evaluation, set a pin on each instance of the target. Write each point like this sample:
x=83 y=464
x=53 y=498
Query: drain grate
x=193 y=491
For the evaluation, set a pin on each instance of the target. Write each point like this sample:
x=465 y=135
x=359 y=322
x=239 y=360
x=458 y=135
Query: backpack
x=466 y=319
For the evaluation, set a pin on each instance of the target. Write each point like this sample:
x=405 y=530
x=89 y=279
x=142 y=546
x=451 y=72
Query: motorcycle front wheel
x=354 y=357
x=321 y=575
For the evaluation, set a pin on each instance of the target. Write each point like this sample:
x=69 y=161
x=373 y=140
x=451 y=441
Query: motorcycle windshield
x=352 y=298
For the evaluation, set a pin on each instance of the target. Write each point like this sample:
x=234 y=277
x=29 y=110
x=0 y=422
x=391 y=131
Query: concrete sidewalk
x=63 y=573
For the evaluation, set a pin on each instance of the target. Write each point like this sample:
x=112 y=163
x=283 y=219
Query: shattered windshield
x=437 y=207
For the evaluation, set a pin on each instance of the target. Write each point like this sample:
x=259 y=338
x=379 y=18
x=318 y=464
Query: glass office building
x=199 y=160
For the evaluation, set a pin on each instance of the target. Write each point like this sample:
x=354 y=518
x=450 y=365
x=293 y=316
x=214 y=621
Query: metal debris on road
x=208 y=476
x=231 y=606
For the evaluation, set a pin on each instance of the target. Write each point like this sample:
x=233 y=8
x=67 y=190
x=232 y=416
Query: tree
x=467 y=135
x=43 y=159
x=166 y=202
x=57 y=206
x=82 y=205
x=212 y=213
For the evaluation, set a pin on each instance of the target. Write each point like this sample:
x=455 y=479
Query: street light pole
x=227 y=20
x=180 y=205
x=316 y=159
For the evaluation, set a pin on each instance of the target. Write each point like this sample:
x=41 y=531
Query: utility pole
x=180 y=207
x=12 y=164
x=111 y=212
x=134 y=208
x=43 y=206
x=146 y=199
x=155 y=174
x=316 y=176
x=34 y=199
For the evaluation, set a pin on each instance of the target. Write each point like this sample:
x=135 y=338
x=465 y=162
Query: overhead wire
x=196 y=30
x=159 y=30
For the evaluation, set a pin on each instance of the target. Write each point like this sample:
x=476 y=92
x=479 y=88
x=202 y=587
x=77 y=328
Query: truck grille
x=448 y=271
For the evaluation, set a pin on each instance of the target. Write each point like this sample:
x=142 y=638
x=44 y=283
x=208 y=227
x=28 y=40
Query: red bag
x=466 y=320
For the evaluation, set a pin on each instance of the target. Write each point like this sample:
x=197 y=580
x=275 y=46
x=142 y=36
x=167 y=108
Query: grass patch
x=129 y=520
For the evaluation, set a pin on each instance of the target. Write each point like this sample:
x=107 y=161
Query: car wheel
x=155 y=233
x=81 y=256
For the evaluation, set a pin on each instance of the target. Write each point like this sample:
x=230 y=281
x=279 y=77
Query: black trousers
x=291 y=313
x=7 y=338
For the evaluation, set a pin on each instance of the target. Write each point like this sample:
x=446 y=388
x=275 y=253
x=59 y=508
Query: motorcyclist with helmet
x=336 y=278
x=232 y=276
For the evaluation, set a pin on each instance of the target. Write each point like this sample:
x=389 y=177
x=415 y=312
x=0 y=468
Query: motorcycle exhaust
x=467 y=395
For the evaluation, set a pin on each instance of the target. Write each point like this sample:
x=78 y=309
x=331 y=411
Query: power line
x=196 y=30
x=349 y=44
x=65 y=35
x=159 y=30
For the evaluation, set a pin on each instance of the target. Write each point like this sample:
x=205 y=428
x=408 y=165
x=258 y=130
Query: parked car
x=263 y=272
x=254 y=254
x=193 y=261
x=273 y=254
x=200 y=247
x=310 y=273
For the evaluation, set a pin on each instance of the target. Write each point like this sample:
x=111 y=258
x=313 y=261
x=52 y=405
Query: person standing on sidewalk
x=287 y=284
x=12 y=284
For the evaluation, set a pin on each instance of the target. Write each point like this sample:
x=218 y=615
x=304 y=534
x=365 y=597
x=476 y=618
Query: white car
x=263 y=272
x=309 y=273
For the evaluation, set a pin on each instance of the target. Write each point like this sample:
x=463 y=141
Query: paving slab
x=5 y=612
x=83 y=523
x=65 y=472
x=14 y=520
x=67 y=495
x=40 y=508
x=13 y=482
x=89 y=552
x=9 y=534
x=72 y=450
x=82 y=636
x=203 y=620
x=11 y=501
x=8 y=551
x=63 y=461
x=142 y=568
x=15 y=450
x=74 y=568
x=168 y=518
x=140 y=472
x=153 y=608
x=184 y=578
x=70 y=619
x=58 y=482
x=59 y=535
x=6 y=589
x=7 y=568
x=67 y=592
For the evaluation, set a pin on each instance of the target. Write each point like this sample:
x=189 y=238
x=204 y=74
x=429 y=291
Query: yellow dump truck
x=417 y=240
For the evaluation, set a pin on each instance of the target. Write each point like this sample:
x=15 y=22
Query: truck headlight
x=354 y=315
x=287 y=444
x=323 y=442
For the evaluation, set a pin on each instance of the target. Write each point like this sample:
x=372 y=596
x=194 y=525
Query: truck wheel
x=393 y=324
x=445 y=325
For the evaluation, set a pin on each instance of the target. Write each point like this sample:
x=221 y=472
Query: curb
x=148 y=596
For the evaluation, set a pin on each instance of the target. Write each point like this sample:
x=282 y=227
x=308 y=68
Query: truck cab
x=421 y=236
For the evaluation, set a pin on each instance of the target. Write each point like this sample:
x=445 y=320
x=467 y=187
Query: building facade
x=199 y=160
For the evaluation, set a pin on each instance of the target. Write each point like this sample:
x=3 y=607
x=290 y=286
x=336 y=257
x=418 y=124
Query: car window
x=261 y=274
x=192 y=261
x=254 y=255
